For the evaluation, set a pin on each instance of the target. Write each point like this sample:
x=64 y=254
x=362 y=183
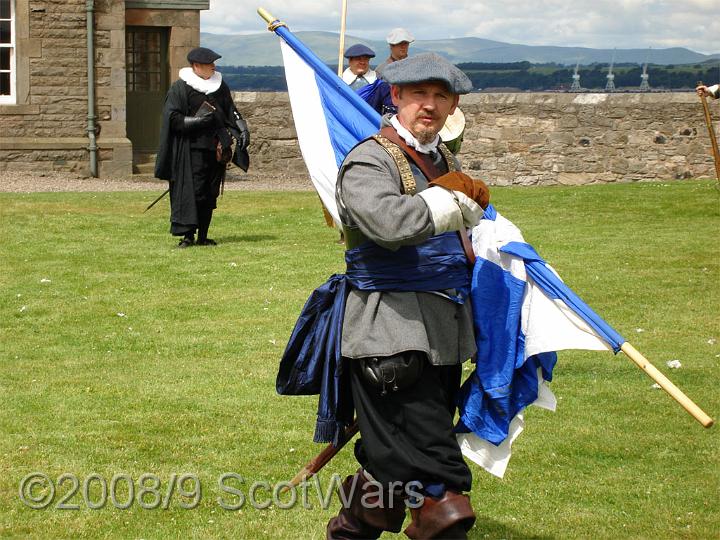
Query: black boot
x=204 y=218
x=366 y=515
x=187 y=241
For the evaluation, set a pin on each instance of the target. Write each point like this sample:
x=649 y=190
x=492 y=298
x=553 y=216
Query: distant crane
x=576 y=79
x=644 y=84
x=610 y=86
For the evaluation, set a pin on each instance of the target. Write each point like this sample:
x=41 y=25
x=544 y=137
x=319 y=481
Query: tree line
x=517 y=76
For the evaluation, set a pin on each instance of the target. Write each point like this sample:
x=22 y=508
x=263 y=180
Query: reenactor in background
x=358 y=73
x=200 y=122
x=399 y=41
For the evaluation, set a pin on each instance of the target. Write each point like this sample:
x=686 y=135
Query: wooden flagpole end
x=667 y=385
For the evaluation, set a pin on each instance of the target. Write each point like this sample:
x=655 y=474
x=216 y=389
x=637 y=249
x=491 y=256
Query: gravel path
x=24 y=182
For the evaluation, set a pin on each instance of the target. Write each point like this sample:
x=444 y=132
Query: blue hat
x=202 y=55
x=427 y=67
x=359 y=50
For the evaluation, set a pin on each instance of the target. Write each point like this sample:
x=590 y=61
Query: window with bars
x=7 y=51
x=144 y=60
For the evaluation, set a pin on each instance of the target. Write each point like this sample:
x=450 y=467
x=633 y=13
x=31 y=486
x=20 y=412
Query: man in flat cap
x=408 y=327
x=358 y=72
x=399 y=41
x=200 y=122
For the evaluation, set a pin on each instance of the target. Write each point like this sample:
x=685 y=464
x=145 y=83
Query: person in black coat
x=199 y=124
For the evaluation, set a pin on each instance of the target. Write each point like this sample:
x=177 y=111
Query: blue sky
x=602 y=24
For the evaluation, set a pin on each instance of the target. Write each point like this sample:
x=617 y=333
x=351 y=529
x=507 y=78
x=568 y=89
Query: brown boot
x=365 y=513
x=449 y=517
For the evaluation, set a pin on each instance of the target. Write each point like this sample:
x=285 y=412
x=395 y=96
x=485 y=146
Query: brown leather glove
x=477 y=190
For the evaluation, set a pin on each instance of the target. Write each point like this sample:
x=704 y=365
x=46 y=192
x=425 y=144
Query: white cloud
x=602 y=24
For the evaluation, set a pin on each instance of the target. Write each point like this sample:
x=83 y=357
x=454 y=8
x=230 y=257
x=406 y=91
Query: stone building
x=82 y=82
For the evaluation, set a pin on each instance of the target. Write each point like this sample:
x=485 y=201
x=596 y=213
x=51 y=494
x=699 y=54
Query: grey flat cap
x=398 y=35
x=202 y=55
x=427 y=67
x=359 y=50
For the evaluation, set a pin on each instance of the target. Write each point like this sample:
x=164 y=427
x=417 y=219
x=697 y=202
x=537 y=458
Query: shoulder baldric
x=403 y=165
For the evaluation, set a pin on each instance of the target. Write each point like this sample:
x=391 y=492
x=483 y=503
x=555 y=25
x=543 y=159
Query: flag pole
x=343 y=17
x=667 y=385
x=323 y=458
x=711 y=131
x=329 y=221
x=273 y=23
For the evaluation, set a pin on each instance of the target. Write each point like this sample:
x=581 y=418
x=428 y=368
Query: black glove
x=195 y=123
x=244 y=140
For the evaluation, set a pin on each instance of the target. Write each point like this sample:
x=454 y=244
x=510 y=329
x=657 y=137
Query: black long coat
x=173 y=162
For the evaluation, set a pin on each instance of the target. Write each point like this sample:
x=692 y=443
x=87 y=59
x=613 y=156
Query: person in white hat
x=399 y=40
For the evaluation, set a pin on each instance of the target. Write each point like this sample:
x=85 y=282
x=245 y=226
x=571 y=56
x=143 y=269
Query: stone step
x=144 y=168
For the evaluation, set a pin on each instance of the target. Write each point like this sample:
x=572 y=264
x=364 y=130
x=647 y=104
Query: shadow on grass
x=491 y=529
x=238 y=239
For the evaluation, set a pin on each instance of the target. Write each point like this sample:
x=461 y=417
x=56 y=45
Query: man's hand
x=244 y=140
x=472 y=213
x=477 y=190
x=195 y=123
x=702 y=90
x=711 y=91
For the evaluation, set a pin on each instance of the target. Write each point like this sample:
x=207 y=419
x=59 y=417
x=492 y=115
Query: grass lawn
x=122 y=356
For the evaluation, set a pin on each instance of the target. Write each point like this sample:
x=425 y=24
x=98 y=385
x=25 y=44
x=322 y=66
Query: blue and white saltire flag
x=330 y=118
x=522 y=310
x=523 y=313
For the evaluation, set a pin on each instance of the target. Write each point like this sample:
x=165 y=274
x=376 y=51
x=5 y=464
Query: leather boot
x=369 y=511
x=204 y=219
x=449 y=517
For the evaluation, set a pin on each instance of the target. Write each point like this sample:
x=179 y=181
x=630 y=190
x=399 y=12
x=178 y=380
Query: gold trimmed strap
x=403 y=165
x=448 y=155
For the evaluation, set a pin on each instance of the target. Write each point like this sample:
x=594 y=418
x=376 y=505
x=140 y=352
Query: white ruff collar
x=206 y=86
x=349 y=77
x=411 y=140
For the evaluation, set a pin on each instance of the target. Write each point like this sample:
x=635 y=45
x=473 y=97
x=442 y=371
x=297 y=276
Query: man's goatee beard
x=426 y=137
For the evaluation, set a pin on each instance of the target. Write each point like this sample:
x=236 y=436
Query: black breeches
x=407 y=434
x=207 y=175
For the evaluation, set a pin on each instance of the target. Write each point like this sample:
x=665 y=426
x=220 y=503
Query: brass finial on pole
x=273 y=23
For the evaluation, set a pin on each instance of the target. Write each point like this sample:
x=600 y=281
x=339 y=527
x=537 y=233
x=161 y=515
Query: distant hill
x=263 y=50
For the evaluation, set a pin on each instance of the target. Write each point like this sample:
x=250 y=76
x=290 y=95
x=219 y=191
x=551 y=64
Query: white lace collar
x=206 y=86
x=410 y=139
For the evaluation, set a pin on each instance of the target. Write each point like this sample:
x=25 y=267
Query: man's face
x=423 y=108
x=399 y=50
x=359 y=65
x=204 y=71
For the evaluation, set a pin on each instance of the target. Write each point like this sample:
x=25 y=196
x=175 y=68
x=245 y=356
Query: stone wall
x=46 y=129
x=542 y=138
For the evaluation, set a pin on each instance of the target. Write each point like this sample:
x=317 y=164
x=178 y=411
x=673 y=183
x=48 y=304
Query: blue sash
x=312 y=362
